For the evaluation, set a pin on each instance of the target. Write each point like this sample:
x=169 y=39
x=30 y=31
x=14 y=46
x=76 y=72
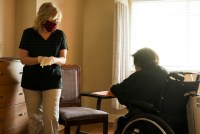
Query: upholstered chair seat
x=71 y=112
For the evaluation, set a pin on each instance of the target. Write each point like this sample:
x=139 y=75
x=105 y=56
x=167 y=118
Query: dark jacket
x=144 y=85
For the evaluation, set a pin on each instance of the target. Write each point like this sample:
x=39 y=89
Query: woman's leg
x=51 y=99
x=34 y=109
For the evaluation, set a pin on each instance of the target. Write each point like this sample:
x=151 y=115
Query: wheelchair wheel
x=147 y=124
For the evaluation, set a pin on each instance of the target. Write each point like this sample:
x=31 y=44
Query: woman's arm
x=26 y=59
x=62 y=59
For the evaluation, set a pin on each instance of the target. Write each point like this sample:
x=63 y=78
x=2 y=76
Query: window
x=171 y=28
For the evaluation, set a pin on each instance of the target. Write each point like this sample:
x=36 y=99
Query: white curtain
x=121 y=54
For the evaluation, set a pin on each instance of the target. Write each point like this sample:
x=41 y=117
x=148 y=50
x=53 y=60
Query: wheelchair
x=171 y=116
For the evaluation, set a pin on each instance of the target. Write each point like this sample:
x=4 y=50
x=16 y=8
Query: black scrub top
x=34 y=76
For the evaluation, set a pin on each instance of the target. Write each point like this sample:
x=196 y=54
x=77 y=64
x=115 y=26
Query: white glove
x=47 y=61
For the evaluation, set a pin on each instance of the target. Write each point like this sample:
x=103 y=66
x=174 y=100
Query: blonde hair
x=46 y=11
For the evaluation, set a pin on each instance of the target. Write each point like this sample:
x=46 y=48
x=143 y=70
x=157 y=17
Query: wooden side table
x=99 y=95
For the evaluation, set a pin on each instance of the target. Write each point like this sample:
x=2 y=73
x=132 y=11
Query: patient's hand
x=103 y=93
x=110 y=93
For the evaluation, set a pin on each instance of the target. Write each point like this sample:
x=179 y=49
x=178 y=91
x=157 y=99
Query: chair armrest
x=99 y=95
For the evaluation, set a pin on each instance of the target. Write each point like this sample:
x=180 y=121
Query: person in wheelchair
x=145 y=84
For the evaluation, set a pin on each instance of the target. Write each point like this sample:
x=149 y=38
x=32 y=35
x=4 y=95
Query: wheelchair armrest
x=144 y=107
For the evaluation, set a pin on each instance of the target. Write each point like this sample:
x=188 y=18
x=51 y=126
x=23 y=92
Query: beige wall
x=2 y=14
x=25 y=12
x=88 y=25
x=97 y=50
x=7 y=27
x=15 y=16
x=72 y=24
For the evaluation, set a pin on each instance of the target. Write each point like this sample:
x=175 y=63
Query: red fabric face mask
x=50 y=26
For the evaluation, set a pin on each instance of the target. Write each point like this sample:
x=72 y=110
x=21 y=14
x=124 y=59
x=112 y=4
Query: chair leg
x=67 y=129
x=105 y=127
x=78 y=129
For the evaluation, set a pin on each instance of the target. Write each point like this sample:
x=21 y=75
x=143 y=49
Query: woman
x=42 y=50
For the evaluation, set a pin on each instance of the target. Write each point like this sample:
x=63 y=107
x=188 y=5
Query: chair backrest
x=70 y=95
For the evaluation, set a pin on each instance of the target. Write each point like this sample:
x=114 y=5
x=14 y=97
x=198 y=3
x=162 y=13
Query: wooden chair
x=71 y=112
